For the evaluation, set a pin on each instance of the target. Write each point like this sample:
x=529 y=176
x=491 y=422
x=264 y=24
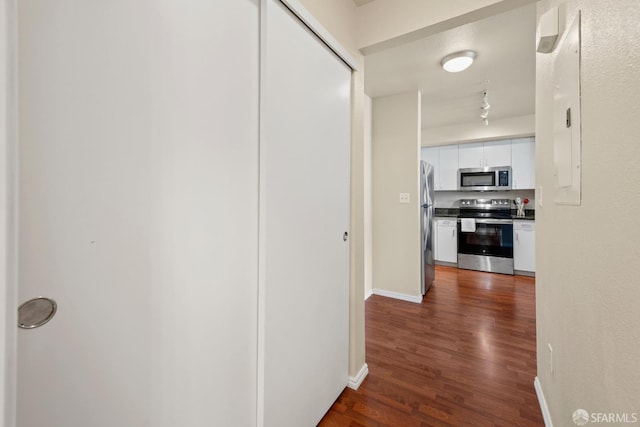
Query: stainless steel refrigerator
x=426 y=225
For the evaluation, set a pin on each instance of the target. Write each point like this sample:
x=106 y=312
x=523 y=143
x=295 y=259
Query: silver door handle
x=492 y=221
x=36 y=312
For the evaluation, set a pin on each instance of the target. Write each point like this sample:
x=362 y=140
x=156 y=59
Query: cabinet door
x=138 y=213
x=497 y=153
x=524 y=246
x=448 y=167
x=523 y=163
x=471 y=155
x=432 y=155
x=447 y=241
x=303 y=98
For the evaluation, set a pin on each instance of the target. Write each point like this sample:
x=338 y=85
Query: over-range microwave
x=484 y=179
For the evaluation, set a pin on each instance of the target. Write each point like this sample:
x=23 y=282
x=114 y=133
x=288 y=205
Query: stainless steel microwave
x=485 y=179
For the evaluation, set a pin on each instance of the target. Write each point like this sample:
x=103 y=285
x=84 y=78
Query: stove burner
x=485 y=208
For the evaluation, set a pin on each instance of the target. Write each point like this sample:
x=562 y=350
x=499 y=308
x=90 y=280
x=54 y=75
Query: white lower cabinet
x=447 y=240
x=524 y=246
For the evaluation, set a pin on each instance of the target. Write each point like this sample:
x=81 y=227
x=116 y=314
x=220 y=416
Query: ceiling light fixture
x=458 y=61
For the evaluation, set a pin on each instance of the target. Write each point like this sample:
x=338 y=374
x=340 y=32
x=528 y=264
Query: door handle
x=345 y=236
x=36 y=312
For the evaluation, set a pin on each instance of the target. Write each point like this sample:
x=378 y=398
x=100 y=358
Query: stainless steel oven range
x=485 y=235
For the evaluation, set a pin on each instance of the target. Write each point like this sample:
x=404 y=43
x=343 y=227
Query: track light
x=484 y=115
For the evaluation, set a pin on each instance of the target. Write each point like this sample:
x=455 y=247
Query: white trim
x=354 y=382
x=368 y=294
x=262 y=162
x=546 y=415
x=319 y=30
x=8 y=210
x=397 y=295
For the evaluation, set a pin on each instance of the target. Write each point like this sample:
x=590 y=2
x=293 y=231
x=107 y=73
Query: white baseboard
x=396 y=295
x=354 y=382
x=543 y=403
x=368 y=294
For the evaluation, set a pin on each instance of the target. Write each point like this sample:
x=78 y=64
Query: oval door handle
x=345 y=236
x=36 y=312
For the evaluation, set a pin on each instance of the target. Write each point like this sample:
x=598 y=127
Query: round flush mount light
x=458 y=61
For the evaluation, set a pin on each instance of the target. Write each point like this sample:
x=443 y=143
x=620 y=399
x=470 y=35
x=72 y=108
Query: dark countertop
x=529 y=214
x=447 y=212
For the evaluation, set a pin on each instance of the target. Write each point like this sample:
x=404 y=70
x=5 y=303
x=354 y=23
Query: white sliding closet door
x=304 y=152
x=138 y=212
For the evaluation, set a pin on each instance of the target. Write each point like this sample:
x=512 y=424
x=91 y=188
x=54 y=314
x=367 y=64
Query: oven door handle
x=491 y=221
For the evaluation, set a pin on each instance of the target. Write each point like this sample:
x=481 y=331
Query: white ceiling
x=505 y=46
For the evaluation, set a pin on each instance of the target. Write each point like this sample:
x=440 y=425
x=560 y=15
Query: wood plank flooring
x=466 y=356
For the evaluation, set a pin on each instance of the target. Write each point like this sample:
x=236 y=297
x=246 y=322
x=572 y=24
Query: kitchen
x=481 y=117
x=498 y=216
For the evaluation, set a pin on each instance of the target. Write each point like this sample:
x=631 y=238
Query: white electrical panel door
x=138 y=212
x=304 y=150
x=567 y=145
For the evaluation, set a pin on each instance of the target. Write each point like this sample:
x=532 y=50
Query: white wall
x=396 y=227
x=7 y=218
x=587 y=288
x=368 y=207
x=512 y=127
x=386 y=23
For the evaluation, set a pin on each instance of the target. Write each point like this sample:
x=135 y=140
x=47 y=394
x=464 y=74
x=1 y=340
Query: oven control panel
x=486 y=203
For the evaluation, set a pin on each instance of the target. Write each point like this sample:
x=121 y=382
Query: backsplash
x=449 y=199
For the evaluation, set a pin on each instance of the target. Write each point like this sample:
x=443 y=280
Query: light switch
x=405 y=198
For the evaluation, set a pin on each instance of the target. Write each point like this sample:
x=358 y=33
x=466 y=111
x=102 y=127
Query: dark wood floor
x=466 y=356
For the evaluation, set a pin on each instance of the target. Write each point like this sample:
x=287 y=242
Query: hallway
x=466 y=356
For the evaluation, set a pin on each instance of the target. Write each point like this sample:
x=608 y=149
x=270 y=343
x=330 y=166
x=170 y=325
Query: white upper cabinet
x=447 y=159
x=497 y=153
x=448 y=167
x=431 y=155
x=445 y=164
x=471 y=155
x=484 y=154
x=523 y=152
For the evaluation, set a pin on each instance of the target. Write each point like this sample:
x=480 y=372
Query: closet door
x=304 y=151
x=138 y=212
